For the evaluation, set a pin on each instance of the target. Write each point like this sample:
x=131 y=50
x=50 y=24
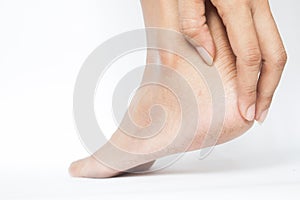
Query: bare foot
x=234 y=125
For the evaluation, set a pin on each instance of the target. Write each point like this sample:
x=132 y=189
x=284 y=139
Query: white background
x=42 y=46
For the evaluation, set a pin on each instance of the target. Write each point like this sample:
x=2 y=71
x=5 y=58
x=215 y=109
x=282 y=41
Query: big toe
x=76 y=168
x=91 y=168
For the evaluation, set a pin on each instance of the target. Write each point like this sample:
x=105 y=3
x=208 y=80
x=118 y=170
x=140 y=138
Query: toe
x=91 y=168
x=76 y=167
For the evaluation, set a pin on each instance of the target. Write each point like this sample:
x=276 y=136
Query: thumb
x=193 y=25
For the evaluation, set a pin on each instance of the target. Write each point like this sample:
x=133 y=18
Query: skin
x=234 y=125
x=255 y=41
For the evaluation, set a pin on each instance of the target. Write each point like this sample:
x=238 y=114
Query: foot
x=233 y=126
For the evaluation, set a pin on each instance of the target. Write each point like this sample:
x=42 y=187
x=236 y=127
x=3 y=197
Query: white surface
x=220 y=176
x=42 y=46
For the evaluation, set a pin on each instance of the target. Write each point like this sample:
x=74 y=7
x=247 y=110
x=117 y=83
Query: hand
x=255 y=41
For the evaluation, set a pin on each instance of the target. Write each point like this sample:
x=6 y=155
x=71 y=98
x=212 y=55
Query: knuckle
x=267 y=96
x=225 y=7
x=222 y=8
x=280 y=60
x=249 y=90
x=251 y=56
x=224 y=4
x=190 y=27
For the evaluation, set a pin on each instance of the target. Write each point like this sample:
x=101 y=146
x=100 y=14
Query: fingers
x=193 y=25
x=273 y=55
x=243 y=40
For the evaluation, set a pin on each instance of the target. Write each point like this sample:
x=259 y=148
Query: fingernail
x=205 y=55
x=250 y=114
x=263 y=116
